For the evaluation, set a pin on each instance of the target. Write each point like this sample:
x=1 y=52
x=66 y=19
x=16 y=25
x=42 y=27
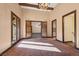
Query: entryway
x=69 y=28
x=36 y=29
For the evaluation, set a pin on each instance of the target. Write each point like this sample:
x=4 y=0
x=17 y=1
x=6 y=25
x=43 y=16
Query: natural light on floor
x=40 y=43
x=34 y=45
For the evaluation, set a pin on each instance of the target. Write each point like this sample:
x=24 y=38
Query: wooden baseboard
x=26 y=38
x=67 y=41
x=10 y=47
x=47 y=37
x=77 y=48
x=59 y=40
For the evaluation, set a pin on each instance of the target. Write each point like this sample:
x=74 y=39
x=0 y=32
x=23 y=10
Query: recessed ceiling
x=34 y=6
x=49 y=4
x=31 y=8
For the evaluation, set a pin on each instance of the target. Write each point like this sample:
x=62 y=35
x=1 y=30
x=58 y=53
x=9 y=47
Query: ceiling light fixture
x=43 y=5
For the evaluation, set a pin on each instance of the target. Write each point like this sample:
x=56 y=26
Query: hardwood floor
x=41 y=47
x=70 y=43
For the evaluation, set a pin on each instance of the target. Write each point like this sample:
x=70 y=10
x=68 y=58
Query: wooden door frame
x=56 y=28
x=12 y=13
x=26 y=28
x=46 y=29
x=75 y=37
x=31 y=28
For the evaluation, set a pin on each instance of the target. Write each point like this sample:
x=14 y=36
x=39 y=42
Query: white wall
x=35 y=15
x=36 y=27
x=5 y=23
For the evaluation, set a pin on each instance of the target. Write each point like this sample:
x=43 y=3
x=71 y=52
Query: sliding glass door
x=15 y=28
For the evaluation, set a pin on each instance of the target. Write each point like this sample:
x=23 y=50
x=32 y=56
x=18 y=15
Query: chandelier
x=43 y=5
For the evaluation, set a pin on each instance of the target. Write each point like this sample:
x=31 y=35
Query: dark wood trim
x=11 y=26
x=26 y=38
x=31 y=30
x=41 y=28
x=67 y=41
x=13 y=14
x=26 y=29
x=34 y=6
x=72 y=12
x=59 y=40
x=19 y=27
x=9 y=47
x=50 y=8
x=48 y=37
x=55 y=20
x=29 y=5
x=46 y=29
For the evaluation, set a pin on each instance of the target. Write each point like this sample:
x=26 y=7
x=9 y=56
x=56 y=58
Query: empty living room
x=39 y=28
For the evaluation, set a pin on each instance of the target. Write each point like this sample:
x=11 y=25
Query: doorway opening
x=69 y=28
x=36 y=29
x=33 y=29
x=54 y=29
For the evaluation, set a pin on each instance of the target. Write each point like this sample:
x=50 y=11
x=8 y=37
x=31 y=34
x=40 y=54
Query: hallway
x=41 y=47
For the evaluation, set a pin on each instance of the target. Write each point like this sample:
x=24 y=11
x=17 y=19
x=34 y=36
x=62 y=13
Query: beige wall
x=36 y=15
x=61 y=10
x=57 y=13
x=5 y=24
